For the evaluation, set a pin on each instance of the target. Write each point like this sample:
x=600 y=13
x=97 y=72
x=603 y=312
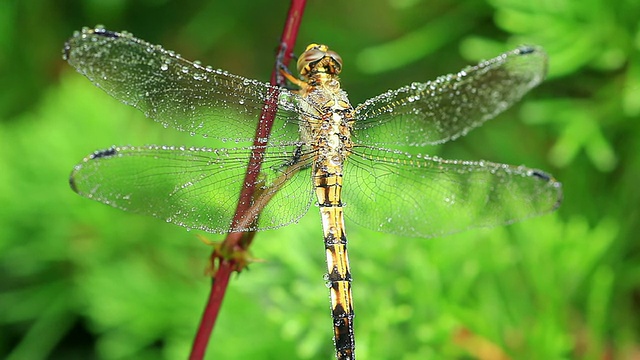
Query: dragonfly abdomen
x=328 y=190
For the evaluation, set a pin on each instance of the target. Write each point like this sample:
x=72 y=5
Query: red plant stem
x=240 y=241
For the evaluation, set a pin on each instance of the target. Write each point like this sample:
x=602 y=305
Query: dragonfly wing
x=420 y=196
x=450 y=106
x=197 y=188
x=175 y=92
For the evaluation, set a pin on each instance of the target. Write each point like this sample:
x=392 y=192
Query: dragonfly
x=363 y=162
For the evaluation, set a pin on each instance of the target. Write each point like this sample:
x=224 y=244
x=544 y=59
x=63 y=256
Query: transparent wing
x=424 y=197
x=450 y=106
x=176 y=92
x=197 y=188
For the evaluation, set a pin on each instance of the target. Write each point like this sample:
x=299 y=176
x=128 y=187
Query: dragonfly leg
x=283 y=73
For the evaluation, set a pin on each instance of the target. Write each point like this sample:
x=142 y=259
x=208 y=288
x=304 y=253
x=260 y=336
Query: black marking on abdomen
x=343 y=328
x=334 y=276
x=329 y=205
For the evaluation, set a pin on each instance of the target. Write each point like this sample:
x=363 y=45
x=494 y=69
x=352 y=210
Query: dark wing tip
x=551 y=181
x=72 y=181
x=100 y=30
x=525 y=49
x=97 y=30
x=535 y=52
x=541 y=175
x=99 y=154
x=112 y=151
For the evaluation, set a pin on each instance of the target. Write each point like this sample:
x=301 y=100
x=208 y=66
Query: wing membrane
x=450 y=106
x=409 y=195
x=175 y=92
x=196 y=188
x=384 y=190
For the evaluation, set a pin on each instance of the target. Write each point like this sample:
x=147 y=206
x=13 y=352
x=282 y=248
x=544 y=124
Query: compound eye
x=336 y=58
x=313 y=53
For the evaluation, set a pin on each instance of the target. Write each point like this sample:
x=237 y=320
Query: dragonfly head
x=319 y=59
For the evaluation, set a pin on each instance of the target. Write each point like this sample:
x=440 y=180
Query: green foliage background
x=81 y=280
